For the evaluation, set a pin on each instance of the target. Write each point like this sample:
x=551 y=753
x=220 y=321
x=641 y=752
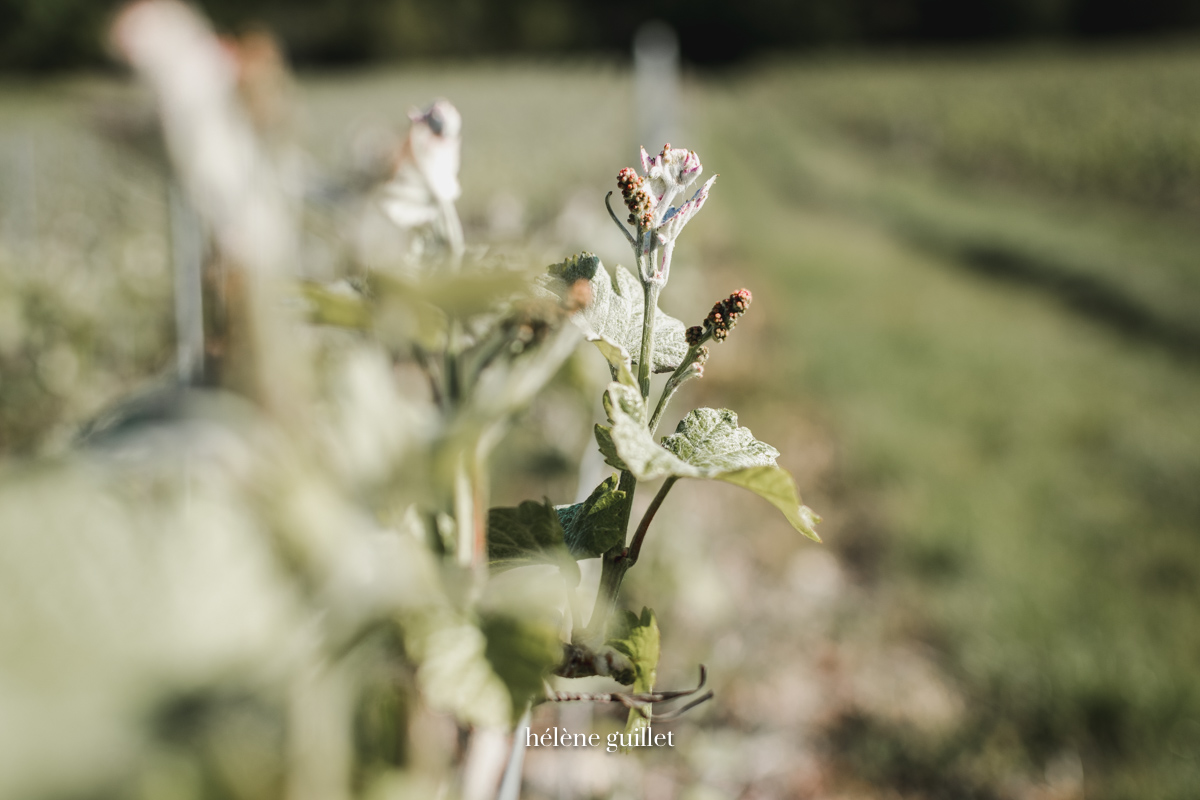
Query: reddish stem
x=635 y=547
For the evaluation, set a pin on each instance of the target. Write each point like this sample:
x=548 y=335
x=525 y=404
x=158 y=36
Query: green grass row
x=1122 y=123
x=1127 y=255
x=1021 y=476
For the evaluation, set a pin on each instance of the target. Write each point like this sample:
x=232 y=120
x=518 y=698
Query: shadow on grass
x=1090 y=297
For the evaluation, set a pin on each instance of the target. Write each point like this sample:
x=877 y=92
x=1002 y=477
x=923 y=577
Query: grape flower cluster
x=637 y=199
x=721 y=320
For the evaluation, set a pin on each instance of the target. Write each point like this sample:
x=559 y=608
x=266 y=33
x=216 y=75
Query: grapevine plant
x=621 y=317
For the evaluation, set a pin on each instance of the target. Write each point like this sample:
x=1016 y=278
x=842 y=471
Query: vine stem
x=612 y=571
x=673 y=384
x=646 y=360
x=668 y=392
x=617 y=560
x=616 y=563
x=635 y=547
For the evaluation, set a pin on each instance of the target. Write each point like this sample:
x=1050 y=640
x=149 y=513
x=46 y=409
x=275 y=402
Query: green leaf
x=521 y=652
x=629 y=400
x=616 y=310
x=618 y=359
x=335 y=305
x=473 y=290
x=596 y=525
x=775 y=485
x=644 y=457
x=526 y=535
x=637 y=639
x=608 y=448
x=634 y=447
x=707 y=444
x=582 y=267
x=710 y=440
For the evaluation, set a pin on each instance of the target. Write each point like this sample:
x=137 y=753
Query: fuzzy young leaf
x=608 y=448
x=776 y=486
x=618 y=359
x=644 y=457
x=596 y=525
x=707 y=444
x=637 y=639
x=624 y=403
x=616 y=309
x=526 y=535
x=634 y=447
x=710 y=440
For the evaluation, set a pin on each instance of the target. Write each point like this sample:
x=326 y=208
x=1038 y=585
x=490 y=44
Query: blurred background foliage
x=53 y=34
x=975 y=335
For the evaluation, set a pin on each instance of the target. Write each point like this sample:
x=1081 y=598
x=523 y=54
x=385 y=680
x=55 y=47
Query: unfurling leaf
x=616 y=310
x=641 y=455
x=634 y=447
x=632 y=406
x=618 y=359
x=637 y=639
x=526 y=535
x=707 y=444
x=596 y=525
x=608 y=448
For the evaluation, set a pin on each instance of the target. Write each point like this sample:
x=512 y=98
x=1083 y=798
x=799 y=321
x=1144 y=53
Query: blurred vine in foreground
x=279 y=574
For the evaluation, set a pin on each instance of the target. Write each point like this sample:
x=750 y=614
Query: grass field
x=1003 y=337
x=977 y=322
